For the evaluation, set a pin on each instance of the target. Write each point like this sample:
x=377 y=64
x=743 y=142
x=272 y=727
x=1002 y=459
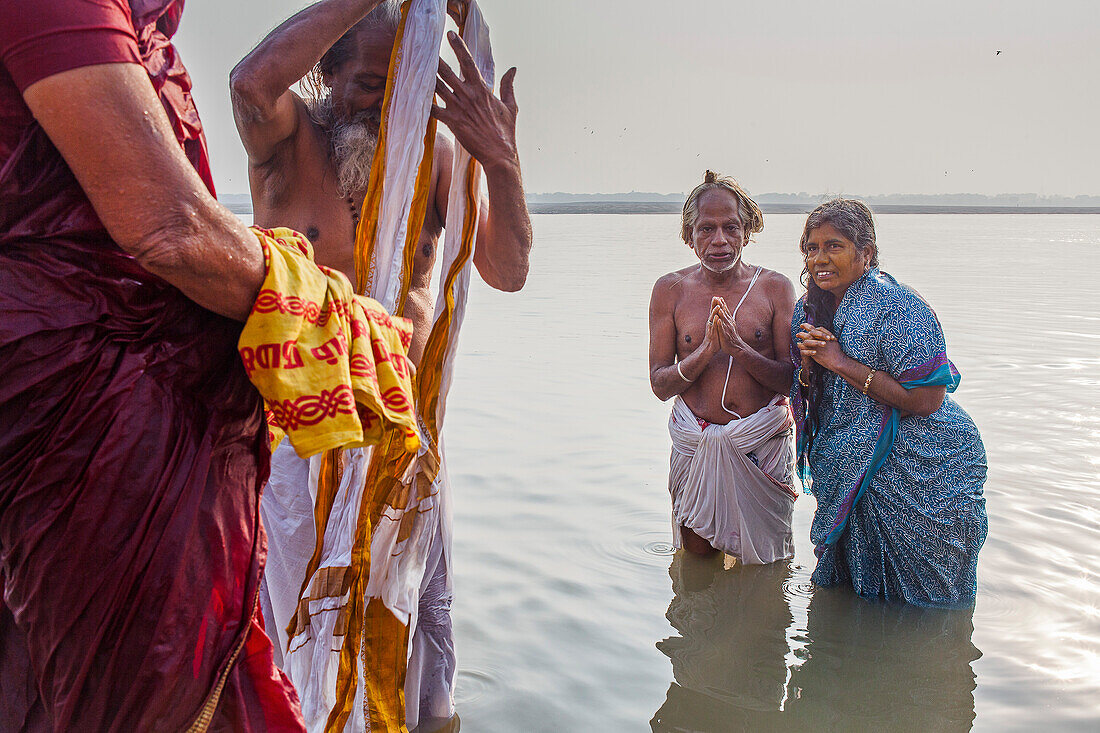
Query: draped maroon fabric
x=132 y=446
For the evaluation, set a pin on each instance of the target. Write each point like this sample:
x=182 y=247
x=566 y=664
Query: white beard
x=727 y=268
x=353 y=145
x=352 y=142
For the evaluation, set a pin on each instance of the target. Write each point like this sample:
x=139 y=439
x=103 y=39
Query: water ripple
x=659 y=548
x=798 y=590
x=637 y=540
x=473 y=684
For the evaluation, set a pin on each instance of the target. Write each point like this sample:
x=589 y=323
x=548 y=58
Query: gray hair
x=851 y=217
x=752 y=219
x=385 y=16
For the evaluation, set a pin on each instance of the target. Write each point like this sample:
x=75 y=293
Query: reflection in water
x=730 y=656
x=857 y=666
x=870 y=666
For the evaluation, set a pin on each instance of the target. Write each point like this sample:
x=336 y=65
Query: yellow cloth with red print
x=332 y=366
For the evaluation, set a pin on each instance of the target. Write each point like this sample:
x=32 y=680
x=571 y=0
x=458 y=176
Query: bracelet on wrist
x=681 y=373
x=867 y=384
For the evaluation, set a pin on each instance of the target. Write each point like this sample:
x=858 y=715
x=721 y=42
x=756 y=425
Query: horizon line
x=803 y=194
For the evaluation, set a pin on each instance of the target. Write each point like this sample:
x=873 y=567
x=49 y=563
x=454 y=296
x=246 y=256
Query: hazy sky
x=862 y=96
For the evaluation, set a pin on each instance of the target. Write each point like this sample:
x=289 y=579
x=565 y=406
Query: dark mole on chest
x=427 y=249
x=313 y=233
x=688 y=339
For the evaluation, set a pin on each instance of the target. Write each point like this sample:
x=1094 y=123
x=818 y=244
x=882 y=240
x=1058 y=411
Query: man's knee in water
x=695 y=544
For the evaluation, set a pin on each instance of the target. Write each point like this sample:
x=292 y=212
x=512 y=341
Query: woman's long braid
x=820 y=309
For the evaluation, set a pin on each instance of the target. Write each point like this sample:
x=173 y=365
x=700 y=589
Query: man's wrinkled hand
x=732 y=343
x=712 y=340
x=482 y=123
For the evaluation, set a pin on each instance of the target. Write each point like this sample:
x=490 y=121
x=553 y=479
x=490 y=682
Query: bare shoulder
x=444 y=149
x=308 y=139
x=669 y=288
x=675 y=281
x=300 y=159
x=443 y=154
x=777 y=285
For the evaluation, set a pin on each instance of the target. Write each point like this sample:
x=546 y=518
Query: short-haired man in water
x=719 y=339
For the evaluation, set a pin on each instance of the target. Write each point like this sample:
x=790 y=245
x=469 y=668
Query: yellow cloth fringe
x=332 y=366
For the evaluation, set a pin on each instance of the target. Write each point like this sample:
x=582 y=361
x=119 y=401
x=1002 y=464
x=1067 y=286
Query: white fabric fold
x=414 y=91
x=410 y=576
x=733 y=484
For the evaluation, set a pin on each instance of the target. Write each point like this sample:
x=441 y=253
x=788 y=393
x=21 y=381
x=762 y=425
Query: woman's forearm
x=889 y=391
x=210 y=256
x=145 y=191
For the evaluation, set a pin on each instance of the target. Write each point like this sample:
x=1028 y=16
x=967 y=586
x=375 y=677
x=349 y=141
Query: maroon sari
x=132 y=446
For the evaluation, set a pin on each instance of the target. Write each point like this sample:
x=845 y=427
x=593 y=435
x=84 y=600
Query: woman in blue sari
x=897 y=466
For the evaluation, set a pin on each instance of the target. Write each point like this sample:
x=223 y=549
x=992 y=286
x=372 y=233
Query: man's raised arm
x=265 y=109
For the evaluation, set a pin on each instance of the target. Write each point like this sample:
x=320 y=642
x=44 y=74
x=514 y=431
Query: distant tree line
x=1030 y=200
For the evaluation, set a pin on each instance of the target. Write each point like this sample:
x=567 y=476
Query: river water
x=573 y=614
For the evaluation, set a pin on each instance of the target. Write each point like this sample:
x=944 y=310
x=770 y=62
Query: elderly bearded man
x=310 y=161
x=309 y=166
x=719 y=339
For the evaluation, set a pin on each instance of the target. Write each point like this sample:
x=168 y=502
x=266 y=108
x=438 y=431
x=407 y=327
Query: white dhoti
x=359 y=551
x=733 y=484
x=288 y=517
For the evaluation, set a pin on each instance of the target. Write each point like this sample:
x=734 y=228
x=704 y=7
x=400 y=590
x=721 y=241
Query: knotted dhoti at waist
x=732 y=484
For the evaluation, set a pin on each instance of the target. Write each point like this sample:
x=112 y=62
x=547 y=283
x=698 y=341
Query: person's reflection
x=865 y=666
x=870 y=666
x=729 y=660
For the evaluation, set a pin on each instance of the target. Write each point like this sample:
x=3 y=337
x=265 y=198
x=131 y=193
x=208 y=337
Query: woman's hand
x=803 y=374
x=817 y=343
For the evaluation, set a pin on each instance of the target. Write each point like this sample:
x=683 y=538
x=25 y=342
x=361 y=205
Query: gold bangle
x=867 y=384
x=804 y=384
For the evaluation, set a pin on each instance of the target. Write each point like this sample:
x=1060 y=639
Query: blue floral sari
x=900 y=513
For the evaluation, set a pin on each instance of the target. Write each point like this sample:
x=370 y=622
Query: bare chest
x=309 y=203
x=753 y=320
